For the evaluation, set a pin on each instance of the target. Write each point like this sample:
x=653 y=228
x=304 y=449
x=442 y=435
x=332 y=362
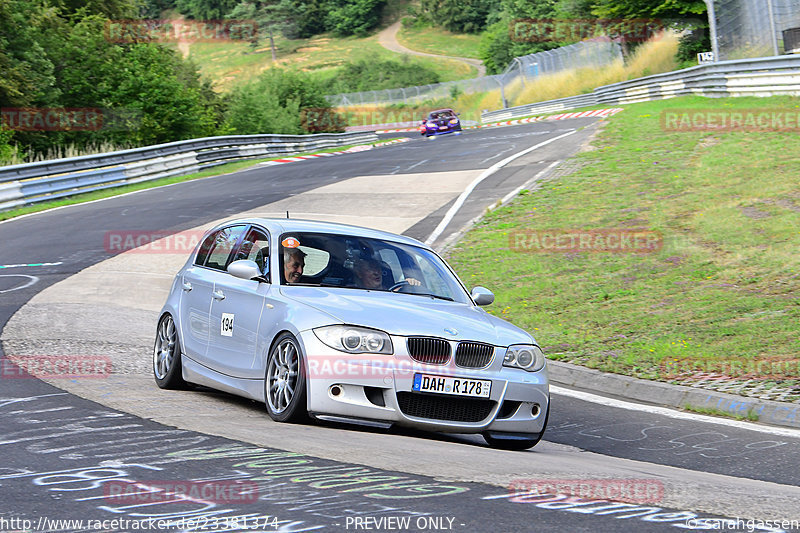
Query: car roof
x=440 y=110
x=284 y=225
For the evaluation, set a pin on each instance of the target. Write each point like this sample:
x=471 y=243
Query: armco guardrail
x=765 y=76
x=550 y=106
x=48 y=180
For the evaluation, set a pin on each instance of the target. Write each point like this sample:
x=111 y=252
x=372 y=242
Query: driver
x=294 y=260
x=369 y=275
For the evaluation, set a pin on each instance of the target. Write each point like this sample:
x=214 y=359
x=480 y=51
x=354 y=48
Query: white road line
x=417 y=164
x=538 y=175
x=672 y=413
x=32 y=265
x=485 y=174
x=497 y=154
x=31 y=280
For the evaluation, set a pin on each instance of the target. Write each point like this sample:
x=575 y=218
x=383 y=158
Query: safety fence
x=579 y=55
x=49 y=180
x=765 y=76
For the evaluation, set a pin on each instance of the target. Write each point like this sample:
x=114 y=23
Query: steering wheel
x=397 y=286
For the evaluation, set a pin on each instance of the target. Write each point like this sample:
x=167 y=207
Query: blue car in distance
x=440 y=121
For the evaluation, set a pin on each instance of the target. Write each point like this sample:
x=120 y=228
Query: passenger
x=369 y=275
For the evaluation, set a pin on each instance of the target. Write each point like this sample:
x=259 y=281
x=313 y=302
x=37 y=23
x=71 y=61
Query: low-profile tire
x=517 y=443
x=285 y=381
x=167 y=367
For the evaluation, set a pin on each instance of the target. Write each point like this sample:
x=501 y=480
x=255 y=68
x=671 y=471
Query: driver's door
x=236 y=312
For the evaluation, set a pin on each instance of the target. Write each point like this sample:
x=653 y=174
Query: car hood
x=409 y=315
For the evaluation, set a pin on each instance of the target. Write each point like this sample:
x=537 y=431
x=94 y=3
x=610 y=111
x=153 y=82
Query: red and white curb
x=359 y=148
x=562 y=116
x=602 y=113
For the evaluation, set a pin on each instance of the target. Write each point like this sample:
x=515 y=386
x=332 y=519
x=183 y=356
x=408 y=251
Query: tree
x=462 y=16
x=206 y=9
x=270 y=17
x=27 y=71
x=679 y=14
x=633 y=9
x=355 y=17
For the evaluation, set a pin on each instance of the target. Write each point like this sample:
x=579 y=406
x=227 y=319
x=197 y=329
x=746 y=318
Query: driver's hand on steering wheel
x=412 y=281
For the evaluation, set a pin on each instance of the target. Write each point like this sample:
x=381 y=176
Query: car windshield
x=347 y=261
x=441 y=114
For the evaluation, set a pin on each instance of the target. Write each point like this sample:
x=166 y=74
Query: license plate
x=442 y=127
x=476 y=388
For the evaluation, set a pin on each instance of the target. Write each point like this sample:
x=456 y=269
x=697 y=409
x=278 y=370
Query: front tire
x=285 y=381
x=167 y=367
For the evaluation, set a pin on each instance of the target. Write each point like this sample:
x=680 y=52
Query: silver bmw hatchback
x=348 y=324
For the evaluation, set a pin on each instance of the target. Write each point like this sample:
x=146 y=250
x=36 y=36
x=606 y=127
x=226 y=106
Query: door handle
x=187 y=286
x=218 y=295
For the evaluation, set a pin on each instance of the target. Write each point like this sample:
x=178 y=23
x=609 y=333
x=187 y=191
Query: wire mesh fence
x=584 y=54
x=756 y=28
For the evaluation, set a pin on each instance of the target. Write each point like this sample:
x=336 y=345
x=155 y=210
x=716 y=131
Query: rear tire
x=285 y=381
x=167 y=364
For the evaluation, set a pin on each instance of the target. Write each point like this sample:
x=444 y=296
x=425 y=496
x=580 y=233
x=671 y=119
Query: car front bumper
x=379 y=388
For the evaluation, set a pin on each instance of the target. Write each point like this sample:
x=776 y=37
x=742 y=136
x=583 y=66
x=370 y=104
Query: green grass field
x=723 y=292
x=231 y=63
x=439 y=41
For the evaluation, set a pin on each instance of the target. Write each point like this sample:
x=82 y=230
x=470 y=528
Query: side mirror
x=245 y=269
x=482 y=296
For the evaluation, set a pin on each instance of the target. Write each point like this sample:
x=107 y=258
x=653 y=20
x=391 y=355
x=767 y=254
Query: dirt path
x=388 y=39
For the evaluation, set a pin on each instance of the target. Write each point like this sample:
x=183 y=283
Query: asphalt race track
x=99 y=450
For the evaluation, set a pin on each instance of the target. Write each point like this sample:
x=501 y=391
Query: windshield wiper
x=437 y=296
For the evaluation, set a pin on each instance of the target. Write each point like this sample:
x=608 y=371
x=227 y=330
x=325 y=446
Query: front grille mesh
x=444 y=408
x=429 y=350
x=474 y=354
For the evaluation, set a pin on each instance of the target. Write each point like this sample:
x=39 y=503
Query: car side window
x=221 y=246
x=255 y=247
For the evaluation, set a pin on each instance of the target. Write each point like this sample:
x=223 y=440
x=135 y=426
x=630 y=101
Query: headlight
x=354 y=339
x=454 y=121
x=525 y=356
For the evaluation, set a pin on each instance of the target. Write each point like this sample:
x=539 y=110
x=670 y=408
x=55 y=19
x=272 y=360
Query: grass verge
x=751 y=416
x=722 y=296
x=124 y=189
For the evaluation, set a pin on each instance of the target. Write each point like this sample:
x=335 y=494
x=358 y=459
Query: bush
x=377 y=75
x=280 y=101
